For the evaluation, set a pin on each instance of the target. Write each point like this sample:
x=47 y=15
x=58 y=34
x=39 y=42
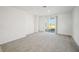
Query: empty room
x=39 y=29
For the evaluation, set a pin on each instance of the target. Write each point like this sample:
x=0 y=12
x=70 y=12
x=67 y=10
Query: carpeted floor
x=41 y=42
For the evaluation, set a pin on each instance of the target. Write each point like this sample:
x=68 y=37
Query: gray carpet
x=41 y=42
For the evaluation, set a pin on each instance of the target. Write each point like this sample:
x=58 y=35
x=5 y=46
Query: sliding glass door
x=51 y=25
x=47 y=24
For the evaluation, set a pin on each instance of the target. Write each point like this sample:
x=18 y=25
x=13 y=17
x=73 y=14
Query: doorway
x=52 y=25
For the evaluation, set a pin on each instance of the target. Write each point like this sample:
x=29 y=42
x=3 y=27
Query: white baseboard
x=64 y=34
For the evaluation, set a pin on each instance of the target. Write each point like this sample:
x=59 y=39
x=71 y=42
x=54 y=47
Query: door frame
x=56 y=17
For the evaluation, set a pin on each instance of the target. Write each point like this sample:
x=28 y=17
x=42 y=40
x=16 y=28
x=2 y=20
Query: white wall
x=76 y=25
x=36 y=24
x=14 y=24
x=65 y=23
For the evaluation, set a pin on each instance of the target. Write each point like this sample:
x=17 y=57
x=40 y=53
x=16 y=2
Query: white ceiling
x=39 y=10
